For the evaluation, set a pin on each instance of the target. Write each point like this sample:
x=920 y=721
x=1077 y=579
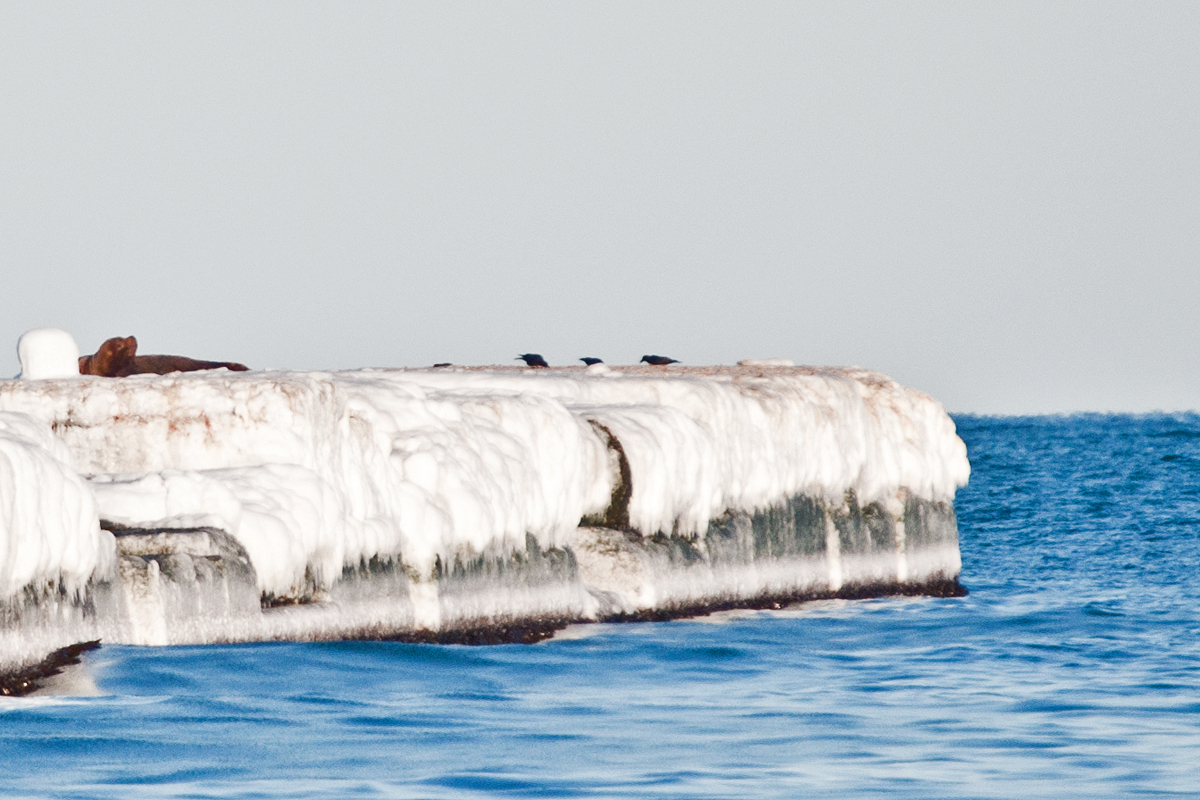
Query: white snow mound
x=47 y=353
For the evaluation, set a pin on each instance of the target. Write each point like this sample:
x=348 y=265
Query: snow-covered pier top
x=218 y=506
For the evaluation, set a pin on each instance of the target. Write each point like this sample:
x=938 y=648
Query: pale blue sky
x=998 y=203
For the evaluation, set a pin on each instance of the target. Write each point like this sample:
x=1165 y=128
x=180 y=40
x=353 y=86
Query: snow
x=49 y=529
x=285 y=516
x=47 y=353
x=312 y=471
x=766 y=362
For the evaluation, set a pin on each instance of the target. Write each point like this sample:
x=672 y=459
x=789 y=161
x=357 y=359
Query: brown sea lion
x=118 y=357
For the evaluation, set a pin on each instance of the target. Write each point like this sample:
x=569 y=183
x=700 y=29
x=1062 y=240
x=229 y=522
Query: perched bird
x=443 y=364
x=659 y=361
x=589 y=360
x=533 y=360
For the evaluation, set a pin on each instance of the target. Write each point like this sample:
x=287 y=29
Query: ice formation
x=469 y=495
x=50 y=537
x=51 y=544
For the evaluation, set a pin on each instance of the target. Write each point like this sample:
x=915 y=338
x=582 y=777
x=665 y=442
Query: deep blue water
x=1071 y=670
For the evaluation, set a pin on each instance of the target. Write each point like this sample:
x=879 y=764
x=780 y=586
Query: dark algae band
x=25 y=681
x=29 y=679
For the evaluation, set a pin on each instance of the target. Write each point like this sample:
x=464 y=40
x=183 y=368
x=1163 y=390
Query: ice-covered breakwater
x=453 y=502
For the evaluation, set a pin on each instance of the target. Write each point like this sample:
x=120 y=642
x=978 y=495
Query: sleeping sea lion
x=118 y=358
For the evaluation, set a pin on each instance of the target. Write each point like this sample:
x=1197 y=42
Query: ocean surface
x=1071 y=670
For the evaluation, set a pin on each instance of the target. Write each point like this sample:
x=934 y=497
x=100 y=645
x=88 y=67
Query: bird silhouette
x=659 y=361
x=533 y=360
x=589 y=360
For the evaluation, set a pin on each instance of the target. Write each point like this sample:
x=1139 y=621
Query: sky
x=997 y=203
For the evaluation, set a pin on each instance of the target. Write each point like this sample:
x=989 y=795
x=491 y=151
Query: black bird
x=443 y=364
x=533 y=360
x=659 y=361
x=589 y=360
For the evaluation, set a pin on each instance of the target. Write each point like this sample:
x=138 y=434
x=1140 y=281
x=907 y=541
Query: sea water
x=1071 y=670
